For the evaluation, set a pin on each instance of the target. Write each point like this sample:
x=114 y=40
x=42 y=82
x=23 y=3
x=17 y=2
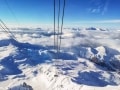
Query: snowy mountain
x=88 y=60
x=98 y=29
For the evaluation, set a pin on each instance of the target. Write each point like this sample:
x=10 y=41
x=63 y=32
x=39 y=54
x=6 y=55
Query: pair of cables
x=4 y=26
x=59 y=31
x=6 y=29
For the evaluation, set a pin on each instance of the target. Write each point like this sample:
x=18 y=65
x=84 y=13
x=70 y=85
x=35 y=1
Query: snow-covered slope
x=88 y=60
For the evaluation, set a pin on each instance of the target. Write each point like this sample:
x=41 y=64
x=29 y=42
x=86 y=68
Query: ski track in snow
x=88 y=60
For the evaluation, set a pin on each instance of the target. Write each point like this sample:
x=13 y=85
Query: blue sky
x=83 y=13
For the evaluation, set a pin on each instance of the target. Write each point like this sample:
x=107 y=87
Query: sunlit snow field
x=89 y=59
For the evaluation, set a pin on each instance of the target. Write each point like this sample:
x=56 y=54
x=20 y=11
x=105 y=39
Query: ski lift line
x=54 y=24
x=4 y=29
x=8 y=30
x=57 y=41
x=58 y=28
x=62 y=23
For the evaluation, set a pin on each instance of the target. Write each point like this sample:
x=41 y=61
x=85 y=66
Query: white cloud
x=105 y=8
x=95 y=10
x=98 y=7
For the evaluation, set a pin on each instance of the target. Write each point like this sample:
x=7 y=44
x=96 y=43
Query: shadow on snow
x=93 y=79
